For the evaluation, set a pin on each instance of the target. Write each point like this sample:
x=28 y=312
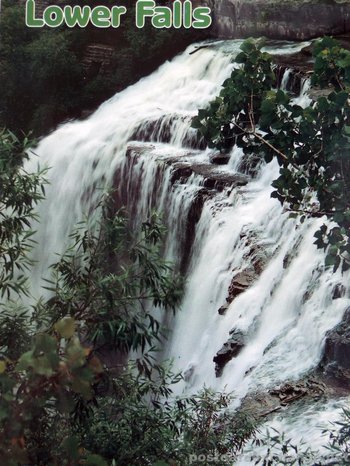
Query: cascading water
x=222 y=225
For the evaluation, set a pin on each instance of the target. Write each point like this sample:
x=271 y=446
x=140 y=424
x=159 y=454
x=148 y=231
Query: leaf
x=322 y=104
x=95 y=460
x=344 y=62
x=248 y=45
x=45 y=343
x=71 y=446
x=83 y=387
x=268 y=106
x=25 y=361
x=282 y=97
x=338 y=217
x=330 y=260
x=196 y=123
x=95 y=365
x=241 y=58
x=75 y=352
x=340 y=98
x=2 y=367
x=66 y=327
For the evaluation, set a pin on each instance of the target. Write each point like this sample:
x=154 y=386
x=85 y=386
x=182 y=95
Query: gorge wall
x=279 y=19
x=276 y=19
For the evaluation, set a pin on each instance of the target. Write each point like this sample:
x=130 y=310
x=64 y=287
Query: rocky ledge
x=211 y=181
x=280 y=19
x=335 y=363
x=229 y=350
x=262 y=404
x=187 y=164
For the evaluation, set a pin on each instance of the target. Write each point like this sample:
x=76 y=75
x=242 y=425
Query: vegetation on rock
x=69 y=392
x=311 y=145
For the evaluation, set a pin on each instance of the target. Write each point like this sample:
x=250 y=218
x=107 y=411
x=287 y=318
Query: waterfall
x=223 y=226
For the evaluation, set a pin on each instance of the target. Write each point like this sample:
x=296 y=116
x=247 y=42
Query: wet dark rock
x=288 y=258
x=292 y=391
x=250 y=164
x=315 y=93
x=256 y=259
x=157 y=130
x=338 y=291
x=218 y=180
x=193 y=217
x=240 y=282
x=181 y=172
x=287 y=20
x=223 y=309
x=335 y=362
x=219 y=159
x=229 y=350
x=97 y=60
x=212 y=179
x=160 y=129
x=263 y=404
x=189 y=373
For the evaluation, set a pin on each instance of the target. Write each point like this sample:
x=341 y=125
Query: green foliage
x=69 y=392
x=339 y=439
x=242 y=94
x=199 y=425
x=20 y=191
x=332 y=64
x=56 y=381
x=278 y=449
x=43 y=78
x=311 y=144
x=114 y=302
x=281 y=450
x=40 y=75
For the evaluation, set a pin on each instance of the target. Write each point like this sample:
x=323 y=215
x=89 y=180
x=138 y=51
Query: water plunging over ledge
x=223 y=226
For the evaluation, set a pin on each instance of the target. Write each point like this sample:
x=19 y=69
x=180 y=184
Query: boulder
x=240 y=282
x=219 y=159
x=229 y=350
x=257 y=260
x=223 y=309
x=261 y=404
x=338 y=291
x=335 y=362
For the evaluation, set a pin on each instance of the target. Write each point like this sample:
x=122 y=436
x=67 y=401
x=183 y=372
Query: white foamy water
x=288 y=308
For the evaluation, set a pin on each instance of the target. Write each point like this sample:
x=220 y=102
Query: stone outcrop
x=219 y=159
x=240 y=282
x=279 y=19
x=335 y=362
x=229 y=350
x=256 y=260
x=211 y=181
x=98 y=59
x=262 y=404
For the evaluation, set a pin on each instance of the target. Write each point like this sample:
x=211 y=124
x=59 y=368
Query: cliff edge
x=279 y=19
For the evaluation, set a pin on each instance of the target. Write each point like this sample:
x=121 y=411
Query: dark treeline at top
x=42 y=78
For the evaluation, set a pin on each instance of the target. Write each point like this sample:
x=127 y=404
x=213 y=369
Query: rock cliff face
x=336 y=356
x=279 y=19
